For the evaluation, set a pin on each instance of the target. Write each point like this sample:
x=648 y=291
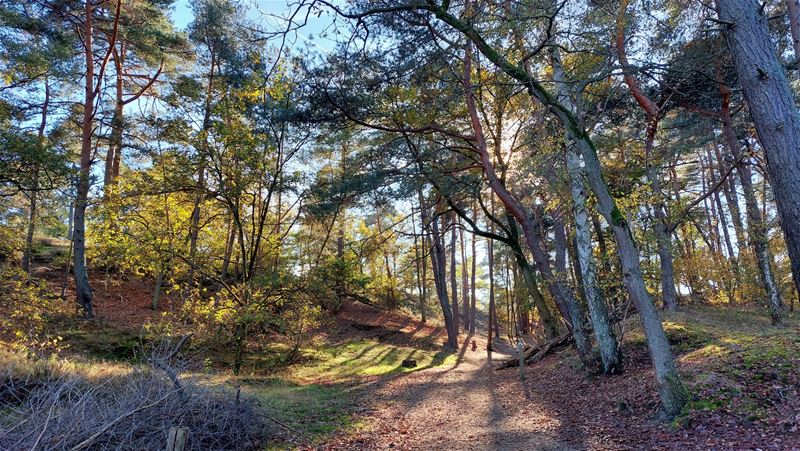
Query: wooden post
x=176 y=438
x=521 y=356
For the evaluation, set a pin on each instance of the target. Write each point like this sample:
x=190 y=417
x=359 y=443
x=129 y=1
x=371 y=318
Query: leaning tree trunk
x=772 y=108
x=549 y=322
x=672 y=391
x=562 y=296
x=610 y=356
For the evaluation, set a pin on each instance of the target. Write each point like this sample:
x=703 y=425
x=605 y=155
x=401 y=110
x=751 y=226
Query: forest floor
x=350 y=391
x=741 y=371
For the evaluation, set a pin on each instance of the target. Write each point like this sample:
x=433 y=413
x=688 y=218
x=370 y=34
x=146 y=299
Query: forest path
x=453 y=407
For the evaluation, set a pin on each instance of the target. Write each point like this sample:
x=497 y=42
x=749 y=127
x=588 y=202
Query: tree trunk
x=663 y=242
x=453 y=275
x=464 y=284
x=718 y=201
x=773 y=110
x=440 y=280
x=34 y=196
x=230 y=244
x=610 y=356
x=419 y=264
x=389 y=276
x=423 y=303
x=490 y=258
x=157 y=291
x=194 y=227
x=671 y=389
x=473 y=276
x=556 y=284
x=83 y=290
x=731 y=195
x=115 y=139
x=549 y=322
x=426 y=250
x=793 y=9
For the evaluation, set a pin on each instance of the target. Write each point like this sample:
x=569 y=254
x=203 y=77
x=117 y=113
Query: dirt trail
x=452 y=407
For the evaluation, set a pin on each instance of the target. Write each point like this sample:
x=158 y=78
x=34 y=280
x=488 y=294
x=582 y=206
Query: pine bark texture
x=772 y=108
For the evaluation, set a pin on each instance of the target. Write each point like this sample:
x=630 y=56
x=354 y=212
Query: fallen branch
x=538 y=352
x=361 y=299
x=162 y=363
x=280 y=423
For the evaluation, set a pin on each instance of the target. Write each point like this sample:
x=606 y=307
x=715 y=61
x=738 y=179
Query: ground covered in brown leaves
x=743 y=375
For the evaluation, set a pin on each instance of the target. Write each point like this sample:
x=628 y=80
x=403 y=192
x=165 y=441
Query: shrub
x=24 y=311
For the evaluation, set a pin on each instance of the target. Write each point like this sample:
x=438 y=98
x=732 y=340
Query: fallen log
x=538 y=352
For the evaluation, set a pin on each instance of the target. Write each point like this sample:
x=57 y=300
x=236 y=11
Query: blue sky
x=269 y=14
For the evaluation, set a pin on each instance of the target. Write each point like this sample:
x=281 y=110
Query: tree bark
x=440 y=280
x=83 y=290
x=115 y=139
x=610 y=356
x=473 y=276
x=793 y=9
x=419 y=262
x=556 y=285
x=773 y=110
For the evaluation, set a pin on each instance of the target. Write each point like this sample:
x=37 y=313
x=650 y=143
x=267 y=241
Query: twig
x=47 y=420
x=280 y=423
